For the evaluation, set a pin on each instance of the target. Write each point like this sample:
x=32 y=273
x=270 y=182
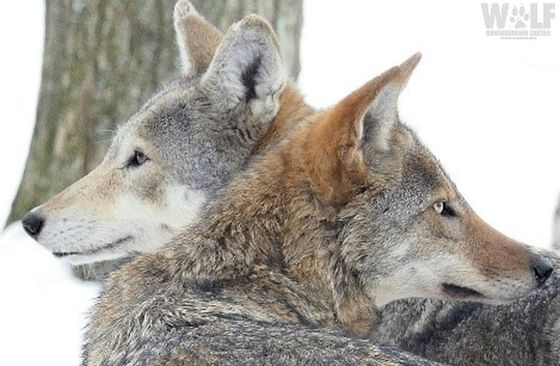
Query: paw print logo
x=519 y=17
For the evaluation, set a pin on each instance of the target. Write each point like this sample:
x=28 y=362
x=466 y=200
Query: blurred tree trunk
x=102 y=60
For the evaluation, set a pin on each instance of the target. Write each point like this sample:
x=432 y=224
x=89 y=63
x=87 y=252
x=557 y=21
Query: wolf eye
x=443 y=209
x=137 y=159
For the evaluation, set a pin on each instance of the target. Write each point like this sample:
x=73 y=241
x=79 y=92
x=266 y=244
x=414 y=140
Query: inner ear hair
x=248 y=78
x=247 y=67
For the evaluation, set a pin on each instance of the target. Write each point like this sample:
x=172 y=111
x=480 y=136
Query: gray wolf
x=346 y=214
x=171 y=156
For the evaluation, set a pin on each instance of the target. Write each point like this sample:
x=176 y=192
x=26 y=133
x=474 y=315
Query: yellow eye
x=439 y=206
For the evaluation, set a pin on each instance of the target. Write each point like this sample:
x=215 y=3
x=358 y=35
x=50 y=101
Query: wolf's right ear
x=247 y=68
x=361 y=123
x=196 y=38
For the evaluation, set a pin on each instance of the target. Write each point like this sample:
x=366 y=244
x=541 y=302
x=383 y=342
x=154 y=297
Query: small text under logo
x=509 y=21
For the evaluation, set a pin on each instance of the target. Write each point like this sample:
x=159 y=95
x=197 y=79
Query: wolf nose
x=542 y=268
x=32 y=223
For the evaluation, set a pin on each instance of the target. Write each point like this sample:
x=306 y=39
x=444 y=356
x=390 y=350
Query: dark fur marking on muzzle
x=111 y=245
x=458 y=291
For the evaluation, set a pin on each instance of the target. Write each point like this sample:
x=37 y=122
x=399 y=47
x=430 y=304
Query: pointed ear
x=365 y=119
x=373 y=107
x=196 y=38
x=247 y=68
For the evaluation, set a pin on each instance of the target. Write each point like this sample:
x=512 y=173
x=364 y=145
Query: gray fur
x=208 y=335
x=243 y=342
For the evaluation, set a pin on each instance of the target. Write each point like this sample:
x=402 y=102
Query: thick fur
x=336 y=221
x=235 y=340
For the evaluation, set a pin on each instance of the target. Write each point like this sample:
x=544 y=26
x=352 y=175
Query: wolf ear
x=247 y=68
x=196 y=38
x=364 y=120
x=373 y=107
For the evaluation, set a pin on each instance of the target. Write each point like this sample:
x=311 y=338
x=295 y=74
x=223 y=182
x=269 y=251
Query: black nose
x=542 y=268
x=33 y=223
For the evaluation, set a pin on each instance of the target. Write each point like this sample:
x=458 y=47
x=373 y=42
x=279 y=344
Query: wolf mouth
x=459 y=291
x=110 y=245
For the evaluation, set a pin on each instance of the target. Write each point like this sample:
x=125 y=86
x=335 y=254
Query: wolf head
x=180 y=147
x=402 y=227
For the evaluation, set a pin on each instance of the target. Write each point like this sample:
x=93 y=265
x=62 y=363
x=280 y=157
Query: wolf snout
x=33 y=223
x=542 y=269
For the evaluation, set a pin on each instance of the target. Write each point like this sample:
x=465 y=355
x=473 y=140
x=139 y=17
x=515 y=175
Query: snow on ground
x=42 y=305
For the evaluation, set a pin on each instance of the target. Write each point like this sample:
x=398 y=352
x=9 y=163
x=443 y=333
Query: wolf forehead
x=417 y=174
x=424 y=169
x=179 y=130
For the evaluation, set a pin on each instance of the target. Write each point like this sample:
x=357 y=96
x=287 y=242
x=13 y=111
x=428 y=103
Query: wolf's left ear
x=196 y=38
x=247 y=68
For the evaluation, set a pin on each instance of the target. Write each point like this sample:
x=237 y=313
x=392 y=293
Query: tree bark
x=102 y=60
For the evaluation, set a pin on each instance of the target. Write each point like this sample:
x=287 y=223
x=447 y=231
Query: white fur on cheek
x=424 y=278
x=416 y=279
x=155 y=224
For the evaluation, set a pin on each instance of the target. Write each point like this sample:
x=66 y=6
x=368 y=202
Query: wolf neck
x=261 y=222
